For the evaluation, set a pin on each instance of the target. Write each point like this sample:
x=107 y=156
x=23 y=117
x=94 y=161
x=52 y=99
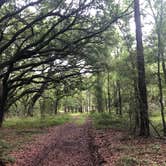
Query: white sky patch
x=33 y=9
x=21 y=3
x=147 y=20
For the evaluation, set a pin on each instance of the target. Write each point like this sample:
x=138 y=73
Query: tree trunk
x=1 y=104
x=161 y=56
x=144 y=117
x=56 y=102
x=3 y=99
x=89 y=101
x=32 y=104
x=163 y=65
x=119 y=98
x=35 y=98
x=136 y=113
x=65 y=109
x=115 y=96
x=1 y=113
x=42 y=108
x=99 y=93
x=160 y=83
x=108 y=91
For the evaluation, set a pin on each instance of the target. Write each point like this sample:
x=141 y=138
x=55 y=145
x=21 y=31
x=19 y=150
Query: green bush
x=106 y=120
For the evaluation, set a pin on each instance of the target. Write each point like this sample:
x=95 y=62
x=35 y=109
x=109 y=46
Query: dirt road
x=66 y=145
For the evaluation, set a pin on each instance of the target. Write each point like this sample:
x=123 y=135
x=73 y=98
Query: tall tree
x=99 y=92
x=158 y=18
x=144 y=117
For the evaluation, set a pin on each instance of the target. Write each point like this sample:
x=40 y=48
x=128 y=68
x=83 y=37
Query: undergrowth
x=106 y=120
x=36 y=122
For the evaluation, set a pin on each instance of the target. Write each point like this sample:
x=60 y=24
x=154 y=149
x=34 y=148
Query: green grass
x=155 y=116
x=36 y=122
x=156 y=120
x=106 y=120
x=79 y=118
x=17 y=131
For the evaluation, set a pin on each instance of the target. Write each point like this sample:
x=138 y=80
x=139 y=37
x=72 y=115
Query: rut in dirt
x=66 y=145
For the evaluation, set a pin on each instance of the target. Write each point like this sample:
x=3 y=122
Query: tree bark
x=3 y=99
x=56 y=102
x=144 y=117
x=1 y=104
x=115 y=96
x=136 y=113
x=99 y=93
x=32 y=103
x=119 y=98
x=163 y=66
x=35 y=98
x=1 y=113
x=108 y=91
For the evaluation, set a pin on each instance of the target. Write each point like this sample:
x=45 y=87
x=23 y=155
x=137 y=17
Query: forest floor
x=70 y=144
x=80 y=144
x=118 y=148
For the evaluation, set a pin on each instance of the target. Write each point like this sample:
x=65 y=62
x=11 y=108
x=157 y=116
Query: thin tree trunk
x=108 y=90
x=119 y=98
x=116 y=98
x=160 y=85
x=136 y=113
x=105 y=106
x=99 y=93
x=42 y=108
x=161 y=55
x=163 y=65
x=56 y=102
x=1 y=104
x=144 y=117
x=89 y=97
x=32 y=104
x=159 y=24
x=65 y=109
x=1 y=113
x=35 y=99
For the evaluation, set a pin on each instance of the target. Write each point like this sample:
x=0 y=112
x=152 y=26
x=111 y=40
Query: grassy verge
x=36 y=122
x=106 y=120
